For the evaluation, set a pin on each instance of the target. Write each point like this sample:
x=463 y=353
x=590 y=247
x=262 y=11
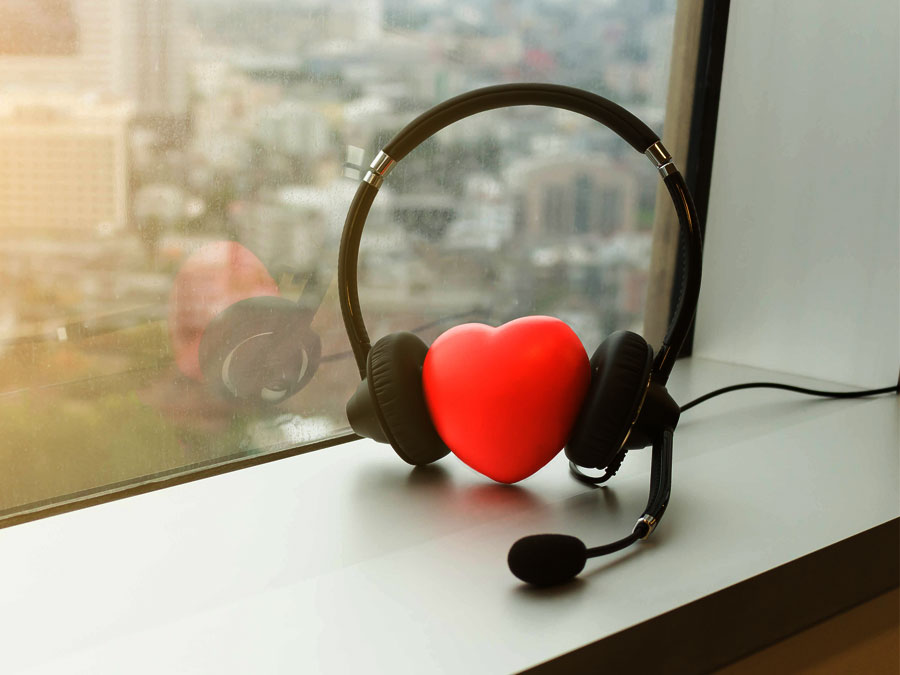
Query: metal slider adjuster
x=647 y=520
x=661 y=159
x=378 y=169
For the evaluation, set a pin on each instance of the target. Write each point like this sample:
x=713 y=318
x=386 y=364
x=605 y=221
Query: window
x=137 y=137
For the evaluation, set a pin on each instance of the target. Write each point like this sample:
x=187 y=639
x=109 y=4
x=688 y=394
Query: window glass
x=163 y=160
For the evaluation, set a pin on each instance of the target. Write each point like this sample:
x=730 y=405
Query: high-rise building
x=561 y=197
x=80 y=58
x=156 y=77
x=133 y=49
x=63 y=164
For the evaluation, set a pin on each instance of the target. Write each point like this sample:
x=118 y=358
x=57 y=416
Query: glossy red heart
x=504 y=399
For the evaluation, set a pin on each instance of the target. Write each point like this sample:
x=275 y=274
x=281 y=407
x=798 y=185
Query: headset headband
x=619 y=120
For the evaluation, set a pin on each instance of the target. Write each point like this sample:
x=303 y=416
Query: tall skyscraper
x=63 y=165
x=133 y=49
x=155 y=63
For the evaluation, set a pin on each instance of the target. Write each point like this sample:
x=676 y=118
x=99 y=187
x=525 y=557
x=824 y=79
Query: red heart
x=504 y=399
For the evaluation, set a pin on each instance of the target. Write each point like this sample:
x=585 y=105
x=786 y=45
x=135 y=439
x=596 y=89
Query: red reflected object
x=504 y=399
x=212 y=278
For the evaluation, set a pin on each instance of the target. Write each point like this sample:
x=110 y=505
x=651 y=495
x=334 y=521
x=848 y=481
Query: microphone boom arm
x=551 y=559
x=657 y=501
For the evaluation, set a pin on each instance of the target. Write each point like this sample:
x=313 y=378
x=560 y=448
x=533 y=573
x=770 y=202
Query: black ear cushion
x=620 y=371
x=394 y=372
x=260 y=350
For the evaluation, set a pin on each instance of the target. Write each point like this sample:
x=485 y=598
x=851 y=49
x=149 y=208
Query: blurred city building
x=64 y=164
x=134 y=50
x=557 y=197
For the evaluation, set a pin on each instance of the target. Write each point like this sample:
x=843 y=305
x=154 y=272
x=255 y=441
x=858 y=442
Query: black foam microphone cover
x=547 y=559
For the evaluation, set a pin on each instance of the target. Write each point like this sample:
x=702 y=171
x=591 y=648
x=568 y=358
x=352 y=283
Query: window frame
x=692 y=104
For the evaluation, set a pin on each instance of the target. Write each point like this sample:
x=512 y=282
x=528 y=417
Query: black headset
x=627 y=405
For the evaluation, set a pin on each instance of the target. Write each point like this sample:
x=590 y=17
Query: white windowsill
x=342 y=560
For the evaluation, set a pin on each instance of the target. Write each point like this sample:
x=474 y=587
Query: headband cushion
x=620 y=371
x=394 y=373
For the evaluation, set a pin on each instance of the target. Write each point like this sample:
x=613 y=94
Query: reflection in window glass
x=163 y=160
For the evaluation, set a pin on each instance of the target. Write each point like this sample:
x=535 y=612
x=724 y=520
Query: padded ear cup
x=259 y=349
x=620 y=372
x=394 y=374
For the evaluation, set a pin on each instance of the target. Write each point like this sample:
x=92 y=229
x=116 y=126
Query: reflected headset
x=228 y=326
x=626 y=405
x=258 y=347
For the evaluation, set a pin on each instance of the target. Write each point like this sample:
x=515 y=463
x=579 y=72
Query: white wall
x=802 y=257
